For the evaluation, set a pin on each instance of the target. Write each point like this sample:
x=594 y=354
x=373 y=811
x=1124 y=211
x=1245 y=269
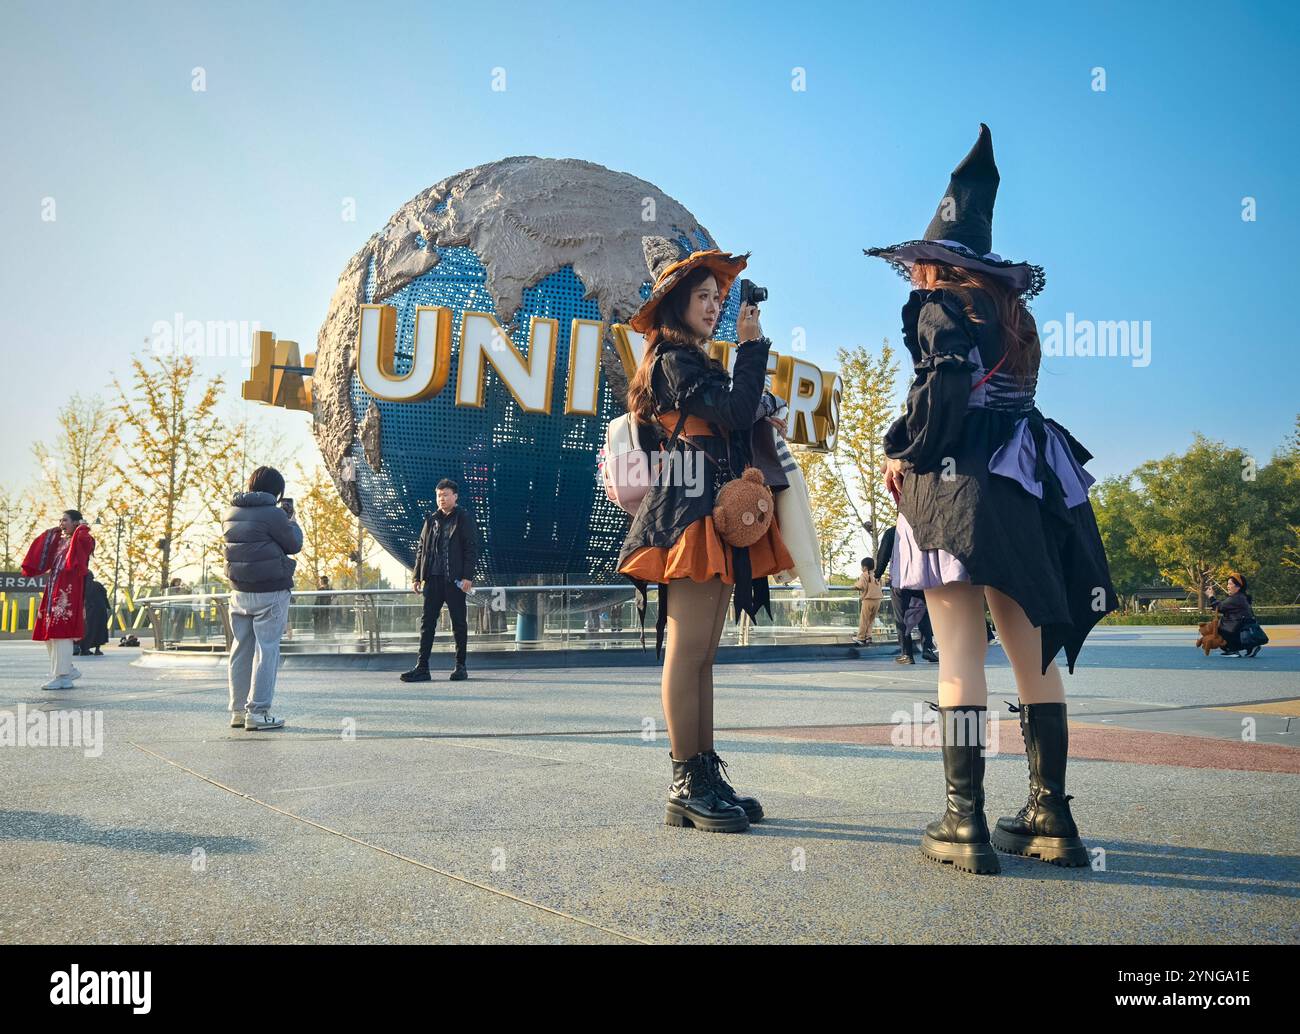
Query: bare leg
x=1023 y=643
x=706 y=671
x=957 y=613
x=691 y=608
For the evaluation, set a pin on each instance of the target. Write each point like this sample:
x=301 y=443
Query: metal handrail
x=207 y=597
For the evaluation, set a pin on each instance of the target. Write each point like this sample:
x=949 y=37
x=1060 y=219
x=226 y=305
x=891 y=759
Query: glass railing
x=533 y=617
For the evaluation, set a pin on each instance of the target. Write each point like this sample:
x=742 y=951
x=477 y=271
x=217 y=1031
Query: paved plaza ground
x=527 y=806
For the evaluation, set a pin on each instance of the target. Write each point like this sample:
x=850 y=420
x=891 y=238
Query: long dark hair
x=1019 y=332
x=669 y=325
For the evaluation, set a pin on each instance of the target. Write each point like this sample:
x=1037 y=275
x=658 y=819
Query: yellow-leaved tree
x=76 y=465
x=242 y=445
x=169 y=433
x=831 y=512
x=867 y=408
x=19 y=522
x=329 y=532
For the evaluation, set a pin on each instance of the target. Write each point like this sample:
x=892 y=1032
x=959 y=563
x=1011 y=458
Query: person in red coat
x=62 y=554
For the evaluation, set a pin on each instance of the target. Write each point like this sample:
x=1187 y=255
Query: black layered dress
x=997 y=494
x=684 y=380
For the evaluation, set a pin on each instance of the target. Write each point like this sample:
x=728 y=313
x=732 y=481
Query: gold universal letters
x=277 y=377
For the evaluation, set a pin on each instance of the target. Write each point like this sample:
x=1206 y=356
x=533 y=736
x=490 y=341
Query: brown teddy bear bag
x=744 y=508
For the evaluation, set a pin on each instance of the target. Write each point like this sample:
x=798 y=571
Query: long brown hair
x=1019 y=332
x=669 y=325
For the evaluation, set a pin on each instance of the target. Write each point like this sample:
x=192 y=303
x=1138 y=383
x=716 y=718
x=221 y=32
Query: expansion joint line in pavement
x=391 y=854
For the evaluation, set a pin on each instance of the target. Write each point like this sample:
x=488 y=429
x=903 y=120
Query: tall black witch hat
x=961 y=232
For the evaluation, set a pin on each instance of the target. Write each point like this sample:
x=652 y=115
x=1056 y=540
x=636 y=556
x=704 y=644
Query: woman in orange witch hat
x=688 y=398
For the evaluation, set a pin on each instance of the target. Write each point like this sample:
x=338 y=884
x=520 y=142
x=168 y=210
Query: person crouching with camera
x=698 y=537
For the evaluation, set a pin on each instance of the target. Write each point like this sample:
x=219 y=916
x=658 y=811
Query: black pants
x=438 y=591
x=904 y=600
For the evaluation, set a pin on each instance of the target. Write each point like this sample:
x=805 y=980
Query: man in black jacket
x=444 y=569
x=909 y=608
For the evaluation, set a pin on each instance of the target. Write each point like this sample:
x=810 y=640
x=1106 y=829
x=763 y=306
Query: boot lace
x=718 y=767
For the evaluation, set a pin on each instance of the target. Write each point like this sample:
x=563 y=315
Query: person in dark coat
x=260 y=536
x=321 y=615
x=688 y=405
x=908 y=605
x=993 y=505
x=1234 y=610
x=96 y=603
x=445 y=558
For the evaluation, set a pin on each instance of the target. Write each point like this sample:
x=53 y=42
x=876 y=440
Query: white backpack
x=625 y=468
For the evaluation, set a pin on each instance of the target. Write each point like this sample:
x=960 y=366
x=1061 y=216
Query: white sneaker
x=58 y=682
x=74 y=674
x=236 y=719
x=262 y=722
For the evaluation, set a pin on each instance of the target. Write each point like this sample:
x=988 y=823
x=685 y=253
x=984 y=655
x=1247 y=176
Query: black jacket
x=96 y=604
x=686 y=380
x=1233 y=611
x=462 y=544
x=886 y=551
x=258 y=540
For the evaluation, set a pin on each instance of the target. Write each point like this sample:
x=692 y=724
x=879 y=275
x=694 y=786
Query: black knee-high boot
x=1044 y=827
x=960 y=838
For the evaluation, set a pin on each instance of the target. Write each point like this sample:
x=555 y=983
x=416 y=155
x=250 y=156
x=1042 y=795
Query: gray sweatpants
x=257 y=620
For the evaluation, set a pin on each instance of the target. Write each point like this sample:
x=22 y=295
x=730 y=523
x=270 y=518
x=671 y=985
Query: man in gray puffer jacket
x=260 y=534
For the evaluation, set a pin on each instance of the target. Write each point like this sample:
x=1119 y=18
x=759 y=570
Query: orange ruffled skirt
x=700 y=554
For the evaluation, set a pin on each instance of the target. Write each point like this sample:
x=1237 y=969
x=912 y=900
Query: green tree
x=1268 y=542
x=1195 y=502
x=1132 y=565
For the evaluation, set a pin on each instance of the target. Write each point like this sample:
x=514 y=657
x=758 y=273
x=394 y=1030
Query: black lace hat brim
x=1022 y=276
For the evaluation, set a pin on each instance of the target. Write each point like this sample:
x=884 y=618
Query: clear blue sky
x=225 y=205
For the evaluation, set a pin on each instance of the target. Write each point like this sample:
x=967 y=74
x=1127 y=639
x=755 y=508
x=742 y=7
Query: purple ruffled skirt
x=1017 y=459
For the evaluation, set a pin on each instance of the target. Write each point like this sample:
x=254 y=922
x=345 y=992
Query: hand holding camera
x=747 y=325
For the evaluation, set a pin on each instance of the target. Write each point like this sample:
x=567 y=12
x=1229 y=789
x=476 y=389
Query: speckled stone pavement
x=527 y=806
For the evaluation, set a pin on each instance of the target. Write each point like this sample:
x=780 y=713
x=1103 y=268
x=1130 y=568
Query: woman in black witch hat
x=681 y=394
x=993 y=506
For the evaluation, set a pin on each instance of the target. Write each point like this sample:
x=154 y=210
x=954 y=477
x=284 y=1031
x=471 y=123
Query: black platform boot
x=961 y=837
x=1044 y=827
x=752 y=809
x=693 y=799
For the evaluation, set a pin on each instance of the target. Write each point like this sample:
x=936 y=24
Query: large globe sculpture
x=517 y=238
